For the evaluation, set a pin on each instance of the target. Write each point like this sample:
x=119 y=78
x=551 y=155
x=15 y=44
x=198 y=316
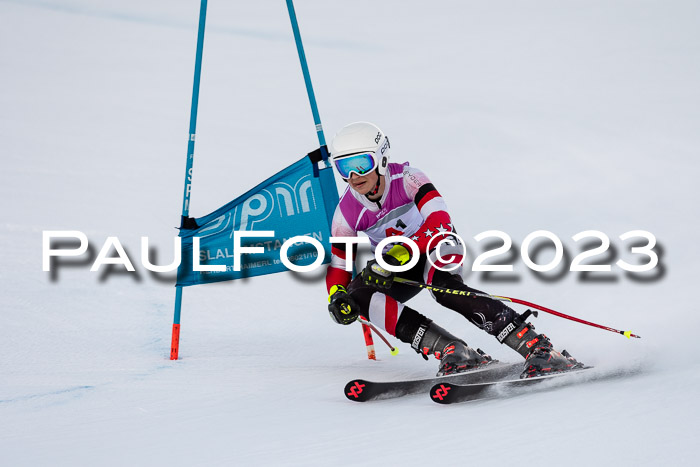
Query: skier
x=385 y=199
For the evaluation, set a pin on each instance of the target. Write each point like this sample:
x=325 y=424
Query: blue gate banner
x=299 y=200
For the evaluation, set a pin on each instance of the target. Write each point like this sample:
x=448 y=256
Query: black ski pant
x=487 y=314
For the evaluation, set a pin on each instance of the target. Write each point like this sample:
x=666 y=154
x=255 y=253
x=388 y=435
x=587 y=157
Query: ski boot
x=540 y=356
x=545 y=360
x=454 y=354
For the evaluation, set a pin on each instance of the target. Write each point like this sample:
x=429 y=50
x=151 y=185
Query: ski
x=360 y=390
x=450 y=392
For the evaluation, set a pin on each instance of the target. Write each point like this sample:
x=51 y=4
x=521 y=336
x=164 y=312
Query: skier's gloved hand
x=375 y=275
x=342 y=307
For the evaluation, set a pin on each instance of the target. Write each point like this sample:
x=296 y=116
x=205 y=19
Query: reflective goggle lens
x=361 y=164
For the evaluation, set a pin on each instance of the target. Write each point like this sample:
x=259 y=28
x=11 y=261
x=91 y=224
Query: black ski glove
x=342 y=307
x=375 y=275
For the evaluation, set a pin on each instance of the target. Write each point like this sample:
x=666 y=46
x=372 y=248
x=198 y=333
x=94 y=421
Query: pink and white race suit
x=410 y=206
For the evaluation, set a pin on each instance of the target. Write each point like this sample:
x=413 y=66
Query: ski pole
x=627 y=334
x=394 y=350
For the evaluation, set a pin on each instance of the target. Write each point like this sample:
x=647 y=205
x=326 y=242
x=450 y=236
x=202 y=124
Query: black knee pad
x=409 y=323
x=447 y=280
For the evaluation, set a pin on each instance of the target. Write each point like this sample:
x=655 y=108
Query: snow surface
x=564 y=116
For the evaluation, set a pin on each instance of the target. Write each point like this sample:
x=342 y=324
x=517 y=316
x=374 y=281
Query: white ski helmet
x=361 y=138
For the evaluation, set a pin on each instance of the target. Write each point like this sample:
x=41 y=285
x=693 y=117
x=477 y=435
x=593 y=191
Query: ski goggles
x=361 y=164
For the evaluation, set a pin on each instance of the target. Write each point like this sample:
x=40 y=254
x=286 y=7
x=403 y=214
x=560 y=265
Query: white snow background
x=563 y=116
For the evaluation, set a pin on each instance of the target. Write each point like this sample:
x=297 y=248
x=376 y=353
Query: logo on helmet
x=385 y=147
